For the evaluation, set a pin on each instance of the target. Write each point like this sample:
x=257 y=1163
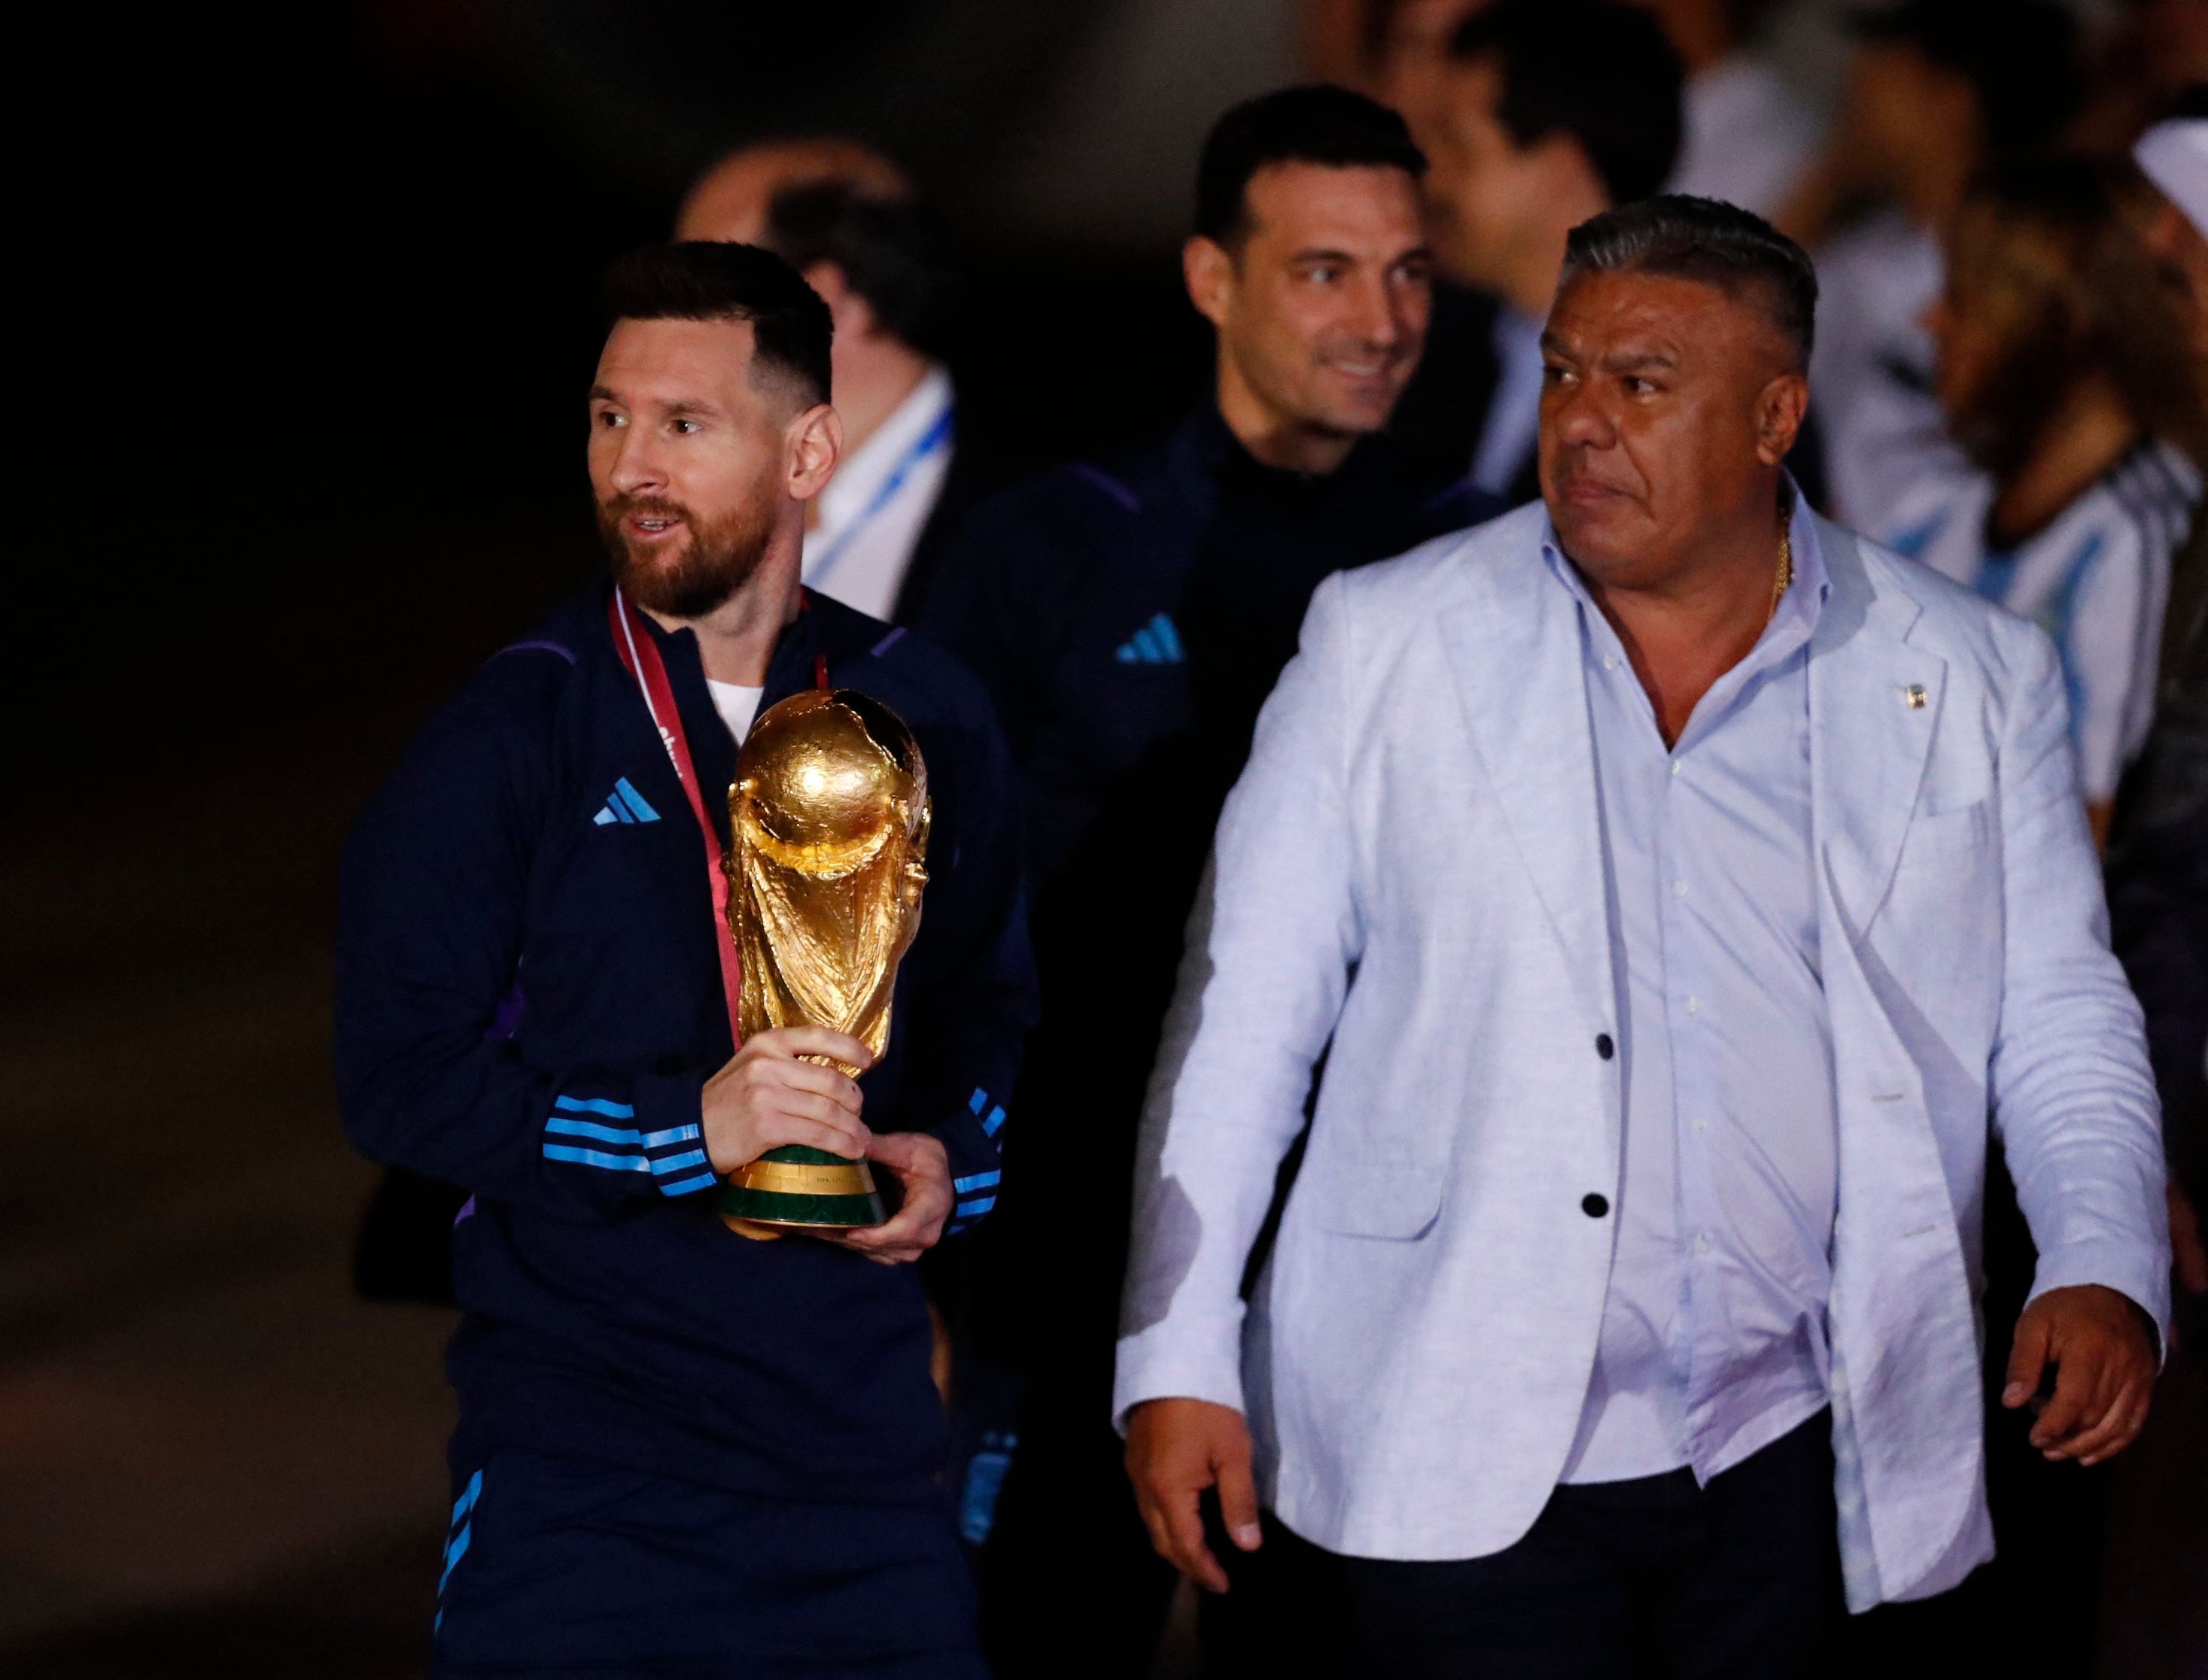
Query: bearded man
x=680 y=1451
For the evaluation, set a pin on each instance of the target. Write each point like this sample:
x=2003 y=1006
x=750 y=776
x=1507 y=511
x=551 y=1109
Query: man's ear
x=1207 y=269
x=853 y=315
x=811 y=448
x=1780 y=407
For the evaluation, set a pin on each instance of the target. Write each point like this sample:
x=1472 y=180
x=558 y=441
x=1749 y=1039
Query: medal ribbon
x=640 y=657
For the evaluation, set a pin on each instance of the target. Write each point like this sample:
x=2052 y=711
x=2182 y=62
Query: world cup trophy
x=828 y=819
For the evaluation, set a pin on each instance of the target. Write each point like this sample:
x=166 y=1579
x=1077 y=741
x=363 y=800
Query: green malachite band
x=797 y=1155
x=769 y=1208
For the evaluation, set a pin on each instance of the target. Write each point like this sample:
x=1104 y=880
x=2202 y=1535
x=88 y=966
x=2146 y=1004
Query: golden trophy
x=829 y=820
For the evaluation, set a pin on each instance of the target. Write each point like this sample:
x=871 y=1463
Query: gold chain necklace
x=1786 y=574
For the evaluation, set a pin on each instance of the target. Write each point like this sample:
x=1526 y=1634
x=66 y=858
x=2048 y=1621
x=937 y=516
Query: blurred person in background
x=1936 y=90
x=1130 y=615
x=679 y=1451
x=2147 y=58
x=849 y=221
x=1551 y=110
x=2054 y=368
x=2054 y=371
x=732 y=198
x=1749 y=135
x=2159 y=852
x=1749 y=132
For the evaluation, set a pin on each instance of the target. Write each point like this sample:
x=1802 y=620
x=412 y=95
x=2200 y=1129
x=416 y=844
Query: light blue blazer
x=1409 y=870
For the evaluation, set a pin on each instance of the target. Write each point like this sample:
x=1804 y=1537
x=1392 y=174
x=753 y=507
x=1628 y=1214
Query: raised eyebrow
x=1644 y=359
x=600 y=394
x=1322 y=256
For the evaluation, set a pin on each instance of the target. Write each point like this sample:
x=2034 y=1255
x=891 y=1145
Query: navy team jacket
x=528 y=1003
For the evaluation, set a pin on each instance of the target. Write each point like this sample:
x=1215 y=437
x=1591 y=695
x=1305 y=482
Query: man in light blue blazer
x=1677 y=888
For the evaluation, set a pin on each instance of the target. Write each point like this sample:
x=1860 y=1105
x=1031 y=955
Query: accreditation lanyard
x=926 y=444
x=640 y=657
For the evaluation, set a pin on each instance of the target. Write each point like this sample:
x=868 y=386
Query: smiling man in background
x=1130 y=616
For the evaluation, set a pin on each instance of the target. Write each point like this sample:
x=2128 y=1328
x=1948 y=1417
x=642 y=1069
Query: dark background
x=309 y=309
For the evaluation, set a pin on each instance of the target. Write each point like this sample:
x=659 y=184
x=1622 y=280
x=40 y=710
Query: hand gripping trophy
x=829 y=820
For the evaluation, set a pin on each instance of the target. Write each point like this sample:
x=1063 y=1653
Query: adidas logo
x=624 y=804
x=1156 y=643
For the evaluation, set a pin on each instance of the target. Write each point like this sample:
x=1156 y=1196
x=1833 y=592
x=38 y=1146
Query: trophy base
x=797 y=1189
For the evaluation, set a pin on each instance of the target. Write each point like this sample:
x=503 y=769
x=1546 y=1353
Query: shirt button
x=1610 y=661
x=1678 y=889
x=1594 y=1205
x=1701 y=1245
x=1693 y=1006
x=1699 y=1126
x=1676 y=766
x=1603 y=1047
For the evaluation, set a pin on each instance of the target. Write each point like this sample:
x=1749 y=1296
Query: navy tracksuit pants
x=557 y=1567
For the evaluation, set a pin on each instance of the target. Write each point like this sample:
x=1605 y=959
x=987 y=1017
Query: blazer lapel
x=1515 y=655
x=1873 y=702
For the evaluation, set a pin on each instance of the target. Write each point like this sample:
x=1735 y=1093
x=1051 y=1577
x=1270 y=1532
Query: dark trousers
x=555 y=1567
x=1653 y=1578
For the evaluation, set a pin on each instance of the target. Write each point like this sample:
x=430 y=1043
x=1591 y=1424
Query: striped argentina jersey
x=2095 y=579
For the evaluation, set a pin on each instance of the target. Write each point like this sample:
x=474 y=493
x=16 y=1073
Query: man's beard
x=715 y=561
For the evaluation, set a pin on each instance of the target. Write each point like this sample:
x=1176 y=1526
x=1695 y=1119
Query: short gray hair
x=1719 y=244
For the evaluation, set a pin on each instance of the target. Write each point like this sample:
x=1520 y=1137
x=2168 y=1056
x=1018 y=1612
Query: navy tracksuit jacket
x=529 y=1002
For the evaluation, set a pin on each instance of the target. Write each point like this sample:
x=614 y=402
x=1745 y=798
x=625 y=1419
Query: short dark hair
x=890 y=251
x=1720 y=245
x=706 y=280
x=1605 y=74
x=1318 y=124
x=2020 y=57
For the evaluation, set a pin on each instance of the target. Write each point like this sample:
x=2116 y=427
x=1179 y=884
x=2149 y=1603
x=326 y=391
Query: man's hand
x=2103 y=1351
x=918 y=1162
x=1175 y=1450
x=766 y=1097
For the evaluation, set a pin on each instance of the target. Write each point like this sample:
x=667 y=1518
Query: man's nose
x=1382 y=320
x=1578 y=418
x=636 y=467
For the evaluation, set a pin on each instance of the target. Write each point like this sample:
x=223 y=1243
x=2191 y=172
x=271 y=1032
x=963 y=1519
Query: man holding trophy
x=647 y=999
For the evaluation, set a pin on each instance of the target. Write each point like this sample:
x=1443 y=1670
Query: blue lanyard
x=926 y=444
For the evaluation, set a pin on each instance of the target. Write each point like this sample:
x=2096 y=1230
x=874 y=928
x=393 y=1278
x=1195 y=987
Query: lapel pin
x=1914 y=694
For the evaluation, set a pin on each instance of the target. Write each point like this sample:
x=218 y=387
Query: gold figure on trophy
x=829 y=816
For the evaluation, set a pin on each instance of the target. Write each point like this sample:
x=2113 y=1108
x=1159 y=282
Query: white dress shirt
x=874 y=510
x=1712 y=1341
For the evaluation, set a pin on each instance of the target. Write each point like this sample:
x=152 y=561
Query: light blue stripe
x=591 y=1157
x=668 y=1163
x=605 y=817
x=995 y=1120
x=594 y=1105
x=1170 y=636
x=466 y=1502
x=589 y=1128
x=978 y=1181
x=683 y=1186
x=616 y=1134
x=637 y=802
x=979 y=1100
x=455 y=1552
x=974 y=1209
